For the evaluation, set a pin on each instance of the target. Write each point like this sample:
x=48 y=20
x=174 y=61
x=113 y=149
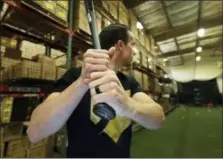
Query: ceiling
x=174 y=26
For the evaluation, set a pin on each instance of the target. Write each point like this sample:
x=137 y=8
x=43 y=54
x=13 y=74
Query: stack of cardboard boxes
x=83 y=21
x=7 y=64
x=15 y=144
x=6 y=109
x=123 y=14
x=26 y=69
x=48 y=67
x=30 y=50
x=113 y=6
x=60 y=72
x=56 y=8
x=8 y=42
x=23 y=66
x=9 y=139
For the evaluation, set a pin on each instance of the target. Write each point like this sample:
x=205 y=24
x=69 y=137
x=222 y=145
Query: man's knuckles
x=114 y=93
x=113 y=85
x=96 y=53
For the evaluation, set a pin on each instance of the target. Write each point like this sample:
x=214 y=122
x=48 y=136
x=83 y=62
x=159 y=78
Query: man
x=75 y=95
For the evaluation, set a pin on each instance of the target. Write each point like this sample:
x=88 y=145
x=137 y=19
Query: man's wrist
x=130 y=109
x=81 y=85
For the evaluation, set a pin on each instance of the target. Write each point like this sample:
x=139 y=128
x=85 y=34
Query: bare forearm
x=51 y=115
x=149 y=115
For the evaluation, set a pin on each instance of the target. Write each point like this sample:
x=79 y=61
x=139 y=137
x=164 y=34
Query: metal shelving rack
x=67 y=39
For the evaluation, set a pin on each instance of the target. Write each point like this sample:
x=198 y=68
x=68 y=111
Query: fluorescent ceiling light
x=139 y=26
x=165 y=60
x=201 y=32
x=198 y=58
x=199 y=49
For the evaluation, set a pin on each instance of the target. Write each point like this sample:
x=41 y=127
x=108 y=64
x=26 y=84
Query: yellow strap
x=115 y=127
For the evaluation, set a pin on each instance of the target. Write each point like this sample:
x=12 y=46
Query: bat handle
x=104 y=111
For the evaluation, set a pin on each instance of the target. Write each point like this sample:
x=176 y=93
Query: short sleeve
x=67 y=79
x=135 y=86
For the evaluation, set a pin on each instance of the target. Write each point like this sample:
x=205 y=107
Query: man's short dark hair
x=111 y=34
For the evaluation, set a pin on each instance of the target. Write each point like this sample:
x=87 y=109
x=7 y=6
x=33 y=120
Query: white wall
x=206 y=69
x=219 y=83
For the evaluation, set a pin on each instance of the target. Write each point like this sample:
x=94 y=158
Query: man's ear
x=120 y=44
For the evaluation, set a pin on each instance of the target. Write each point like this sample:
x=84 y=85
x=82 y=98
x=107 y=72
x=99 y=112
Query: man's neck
x=114 y=67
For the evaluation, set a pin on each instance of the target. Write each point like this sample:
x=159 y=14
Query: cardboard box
x=123 y=18
x=30 y=50
x=6 y=109
x=26 y=144
x=50 y=146
x=78 y=63
x=7 y=42
x=13 y=53
x=105 y=5
x=61 y=13
x=55 y=53
x=138 y=77
x=63 y=4
x=147 y=44
x=19 y=153
x=13 y=146
x=113 y=9
x=60 y=72
x=144 y=59
x=145 y=82
x=49 y=6
x=142 y=38
x=82 y=19
x=133 y=21
x=27 y=69
x=11 y=131
x=46 y=60
x=48 y=67
x=61 y=61
x=39 y=152
x=39 y=144
x=157 y=86
x=4 y=75
x=48 y=72
x=2 y=150
x=8 y=62
x=152 y=43
x=6 y=71
x=123 y=14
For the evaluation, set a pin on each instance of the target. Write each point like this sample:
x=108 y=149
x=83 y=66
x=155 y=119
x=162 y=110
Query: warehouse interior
x=178 y=63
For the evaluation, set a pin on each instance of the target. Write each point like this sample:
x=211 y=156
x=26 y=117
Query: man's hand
x=94 y=61
x=111 y=89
